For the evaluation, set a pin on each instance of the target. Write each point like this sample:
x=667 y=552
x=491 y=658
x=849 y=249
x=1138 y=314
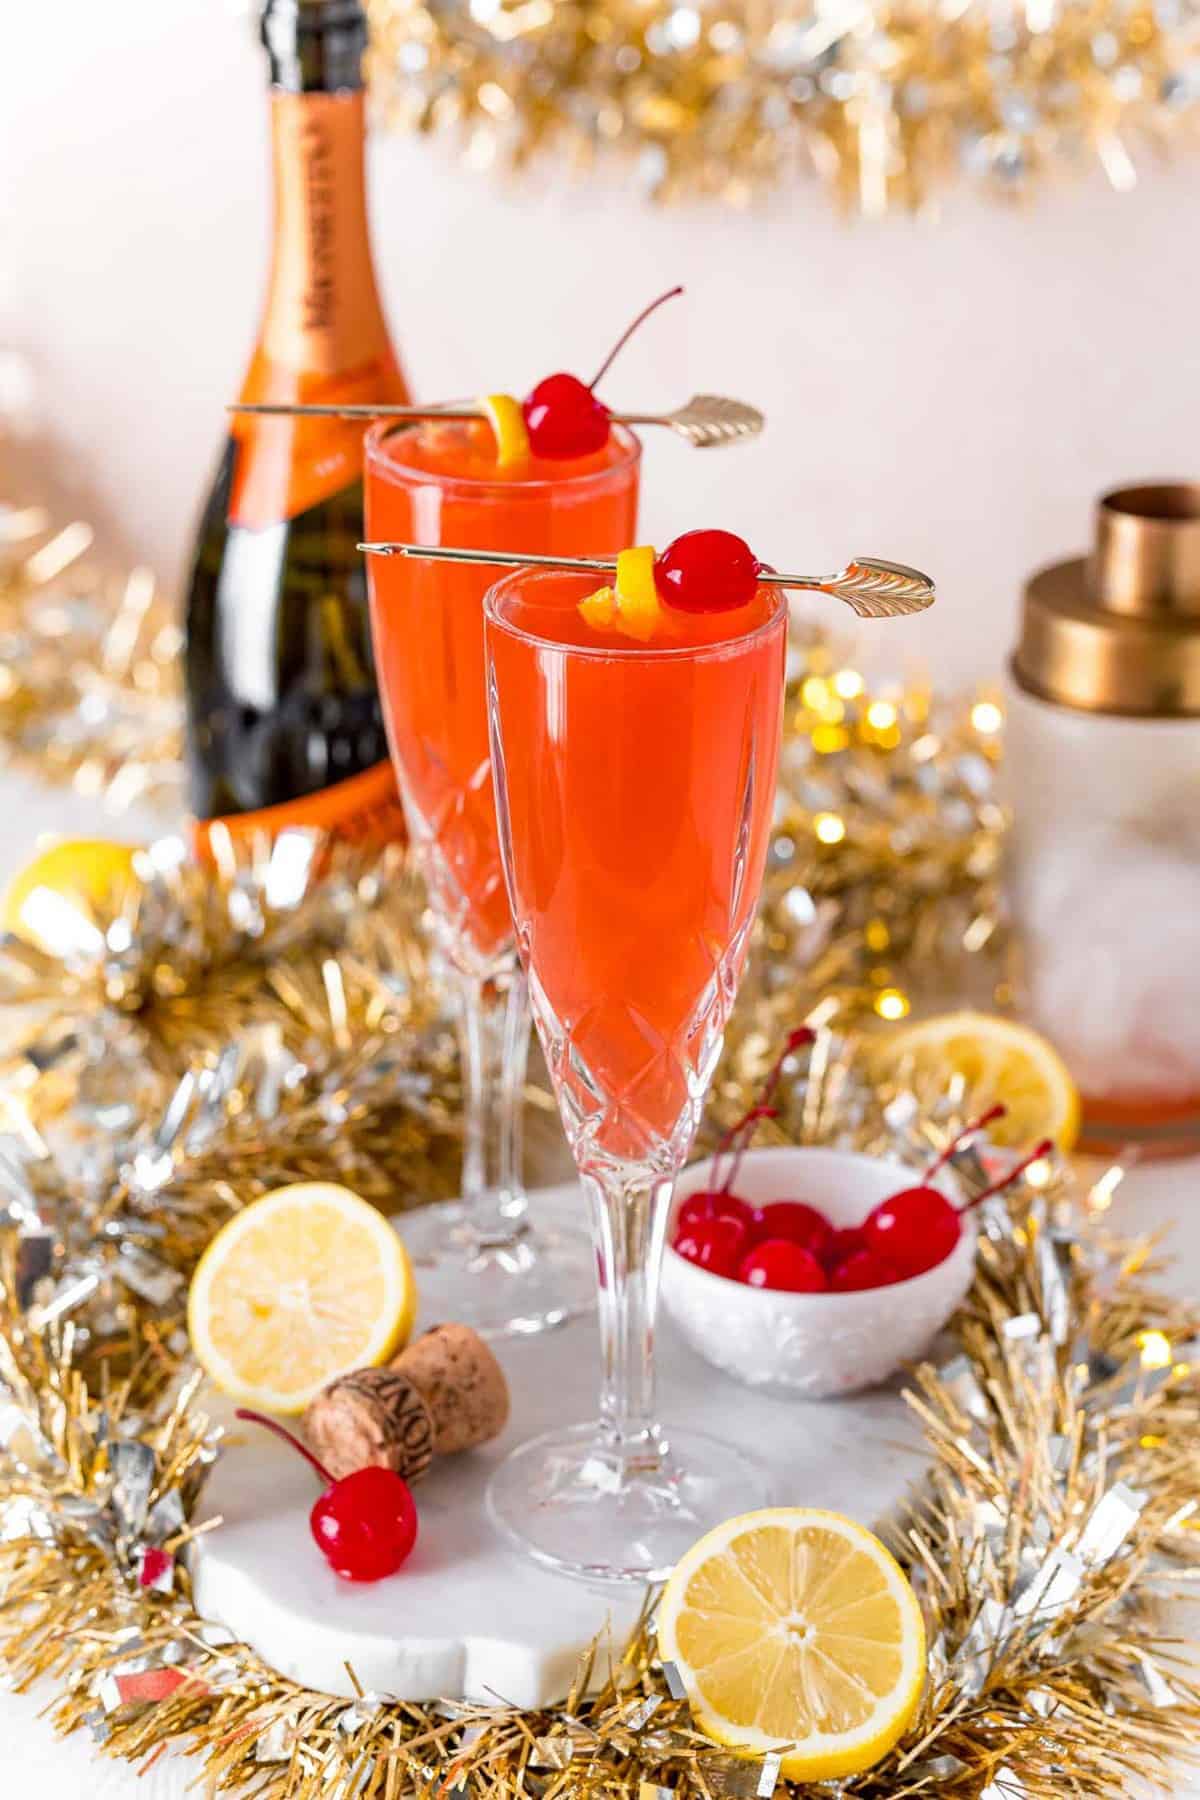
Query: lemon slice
x=631 y=604
x=54 y=899
x=998 y=1059
x=307 y=1283
x=795 y=1630
x=507 y=421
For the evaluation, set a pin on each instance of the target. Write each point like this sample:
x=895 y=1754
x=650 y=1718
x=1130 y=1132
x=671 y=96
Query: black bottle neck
x=315 y=46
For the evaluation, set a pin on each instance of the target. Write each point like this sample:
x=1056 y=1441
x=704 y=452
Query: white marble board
x=467 y=1616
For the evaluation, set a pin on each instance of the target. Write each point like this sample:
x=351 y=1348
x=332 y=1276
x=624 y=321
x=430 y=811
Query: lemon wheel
x=796 y=1630
x=997 y=1059
x=303 y=1285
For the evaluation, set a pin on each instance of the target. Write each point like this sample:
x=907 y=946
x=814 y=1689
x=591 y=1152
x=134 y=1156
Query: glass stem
x=493 y=1030
x=629 y=1225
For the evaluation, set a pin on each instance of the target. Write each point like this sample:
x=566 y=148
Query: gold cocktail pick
x=706 y=421
x=872 y=588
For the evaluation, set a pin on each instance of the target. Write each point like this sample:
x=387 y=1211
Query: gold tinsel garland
x=224 y=1031
x=1057 y=1515
x=89 y=665
x=272 y=1019
x=882 y=893
x=886 y=102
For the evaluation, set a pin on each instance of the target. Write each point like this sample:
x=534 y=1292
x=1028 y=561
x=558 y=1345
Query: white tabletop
x=32 y=1759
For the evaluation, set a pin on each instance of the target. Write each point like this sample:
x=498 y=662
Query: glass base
x=510 y=1286
x=573 y=1502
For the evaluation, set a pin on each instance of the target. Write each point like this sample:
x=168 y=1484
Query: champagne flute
x=634 y=784
x=481 y=1260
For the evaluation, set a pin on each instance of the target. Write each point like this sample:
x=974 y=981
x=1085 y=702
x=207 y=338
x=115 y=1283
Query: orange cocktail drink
x=443 y=483
x=440 y=484
x=638 y=788
x=635 y=787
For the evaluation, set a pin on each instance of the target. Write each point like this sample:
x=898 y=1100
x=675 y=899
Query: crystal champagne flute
x=483 y=1260
x=635 y=783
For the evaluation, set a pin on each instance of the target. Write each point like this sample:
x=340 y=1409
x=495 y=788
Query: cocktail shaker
x=1103 y=773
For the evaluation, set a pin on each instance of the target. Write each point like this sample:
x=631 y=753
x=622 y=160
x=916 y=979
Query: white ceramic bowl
x=814 y=1345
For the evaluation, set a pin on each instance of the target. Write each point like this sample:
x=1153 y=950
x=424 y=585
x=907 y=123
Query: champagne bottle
x=284 y=724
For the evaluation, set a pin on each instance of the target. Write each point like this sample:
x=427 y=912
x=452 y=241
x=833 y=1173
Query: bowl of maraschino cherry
x=819 y=1272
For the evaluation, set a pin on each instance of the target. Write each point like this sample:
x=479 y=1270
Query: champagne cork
x=461 y=1383
x=445 y=1393
x=374 y=1418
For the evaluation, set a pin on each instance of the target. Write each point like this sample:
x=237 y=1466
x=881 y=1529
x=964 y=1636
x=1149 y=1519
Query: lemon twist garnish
x=504 y=415
x=631 y=604
x=600 y=608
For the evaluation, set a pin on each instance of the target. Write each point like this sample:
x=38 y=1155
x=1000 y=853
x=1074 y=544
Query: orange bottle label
x=365 y=809
x=323 y=339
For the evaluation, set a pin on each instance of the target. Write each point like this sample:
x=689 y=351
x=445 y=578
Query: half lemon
x=55 y=899
x=302 y=1286
x=795 y=1630
x=997 y=1059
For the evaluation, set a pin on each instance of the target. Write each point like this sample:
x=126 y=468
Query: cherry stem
x=625 y=336
x=281 y=1431
x=952 y=1148
x=740 y=1133
x=998 y=1187
x=745 y=1133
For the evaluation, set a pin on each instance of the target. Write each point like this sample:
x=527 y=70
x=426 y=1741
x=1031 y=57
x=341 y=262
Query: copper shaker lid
x=1119 y=631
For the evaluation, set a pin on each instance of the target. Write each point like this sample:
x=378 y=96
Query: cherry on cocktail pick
x=365 y=1525
x=870 y=587
x=562 y=414
x=707 y=571
x=917 y=1228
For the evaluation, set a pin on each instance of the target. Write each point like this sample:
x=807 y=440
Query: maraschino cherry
x=861 y=1269
x=713 y=1227
x=707 y=571
x=365 y=1525
x=843 y=1242
x=713 y=1244
x=795 y=1221
x=563 y=416
x=720 y=1198
x=781 y=1264
x=917 y=1228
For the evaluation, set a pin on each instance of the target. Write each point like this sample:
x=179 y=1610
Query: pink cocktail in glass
x=436 y=484
x=635 y=785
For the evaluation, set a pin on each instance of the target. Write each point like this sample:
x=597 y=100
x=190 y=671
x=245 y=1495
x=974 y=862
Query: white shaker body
x=1105 y=887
